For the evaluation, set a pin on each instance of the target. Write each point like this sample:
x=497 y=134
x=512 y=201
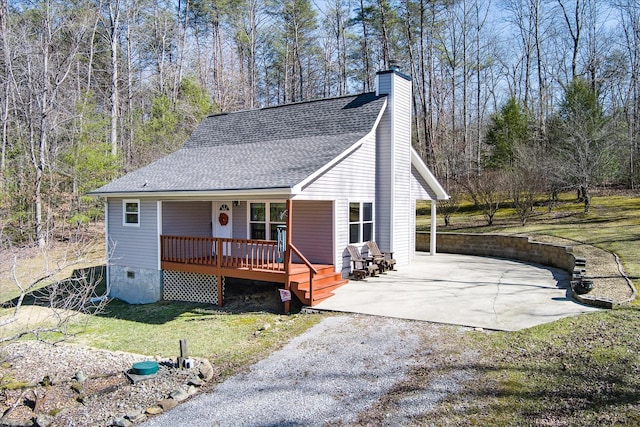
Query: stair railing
x=312 y=269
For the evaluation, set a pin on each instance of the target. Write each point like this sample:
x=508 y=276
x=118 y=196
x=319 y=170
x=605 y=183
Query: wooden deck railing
x=251 y=254
x=229 y=253
x=188 y=250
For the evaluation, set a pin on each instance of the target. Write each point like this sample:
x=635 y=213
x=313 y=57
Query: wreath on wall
x=223 y=218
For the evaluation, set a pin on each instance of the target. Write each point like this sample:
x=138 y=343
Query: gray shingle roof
x=273 y=147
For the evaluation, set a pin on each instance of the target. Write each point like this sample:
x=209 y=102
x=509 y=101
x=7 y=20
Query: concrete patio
x=473 y=291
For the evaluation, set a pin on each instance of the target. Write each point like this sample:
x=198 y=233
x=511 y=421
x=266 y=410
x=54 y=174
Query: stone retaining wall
x=511 y=247
x=501 y=246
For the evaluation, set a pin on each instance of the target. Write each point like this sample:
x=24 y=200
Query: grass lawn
x=580 y=371
x=229 y=340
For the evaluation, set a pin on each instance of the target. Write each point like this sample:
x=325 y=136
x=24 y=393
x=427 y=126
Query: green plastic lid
x=147 y=367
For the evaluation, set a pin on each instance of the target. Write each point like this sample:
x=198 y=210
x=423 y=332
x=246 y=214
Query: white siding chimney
x=395 y=230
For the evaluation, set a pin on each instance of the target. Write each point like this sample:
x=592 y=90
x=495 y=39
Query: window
x=131 y=212
x=360 y=222
x=278 y=216
x=264 y=217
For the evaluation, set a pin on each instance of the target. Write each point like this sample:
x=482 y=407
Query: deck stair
x=324 y=283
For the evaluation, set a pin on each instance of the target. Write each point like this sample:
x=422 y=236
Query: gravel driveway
x=331 y=374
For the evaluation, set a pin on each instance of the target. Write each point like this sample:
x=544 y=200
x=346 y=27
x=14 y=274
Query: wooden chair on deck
x=361 y=266
x=379 y=257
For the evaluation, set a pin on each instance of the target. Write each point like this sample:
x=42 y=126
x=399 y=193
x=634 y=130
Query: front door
x=222 y=222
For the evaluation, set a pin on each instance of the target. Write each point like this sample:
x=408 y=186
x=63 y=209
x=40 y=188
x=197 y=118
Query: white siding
x=384 y=181
x=133 y=246
x=353 y=177
x=186 y=219
x=351 y=180
x=395 y=231
x=402 y=214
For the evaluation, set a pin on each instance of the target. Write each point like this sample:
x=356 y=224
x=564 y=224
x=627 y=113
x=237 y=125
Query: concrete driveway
x=489 y=293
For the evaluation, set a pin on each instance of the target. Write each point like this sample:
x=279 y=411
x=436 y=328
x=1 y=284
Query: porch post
x=432 y=240
x=217 y=244
x=287 y=253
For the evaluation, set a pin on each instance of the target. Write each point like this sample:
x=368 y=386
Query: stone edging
x=521 y=248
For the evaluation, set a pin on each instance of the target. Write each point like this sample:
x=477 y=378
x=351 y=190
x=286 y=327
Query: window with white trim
x=131 y=213
x=360 y=222
x=264 y=217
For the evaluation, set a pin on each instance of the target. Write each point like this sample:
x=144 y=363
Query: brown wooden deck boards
x=252 y=260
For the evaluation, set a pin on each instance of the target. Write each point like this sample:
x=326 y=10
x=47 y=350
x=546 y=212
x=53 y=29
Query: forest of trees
x=527 y=97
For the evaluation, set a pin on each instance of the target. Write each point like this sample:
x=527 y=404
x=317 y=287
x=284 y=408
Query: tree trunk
x=366 y=83
x=114 y=17
x=574 y=32
x=4 y=16
x=385 y=34
x=181 y=51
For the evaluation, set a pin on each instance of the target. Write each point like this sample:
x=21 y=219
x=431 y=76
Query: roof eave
x=429 y=178
x=237 y=194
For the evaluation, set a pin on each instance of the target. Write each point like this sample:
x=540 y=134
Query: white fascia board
x=282 y=193
x=298 y=188
x=430 y=179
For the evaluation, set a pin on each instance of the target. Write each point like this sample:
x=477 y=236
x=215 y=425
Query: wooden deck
x=250 y=259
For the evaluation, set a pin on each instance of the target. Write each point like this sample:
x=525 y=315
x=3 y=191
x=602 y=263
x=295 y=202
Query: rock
x=264 y=327
x=154 y=410
x=136 y=416
x=43 y=420
x=12 y=422
x=46 y=381
x=206 y=370
x=140 y=418
x=120 y=422
x=179 y=394
x=195 y=381
x=80 y=377
x=192 y=390
x=132 y=414
x=167 y=404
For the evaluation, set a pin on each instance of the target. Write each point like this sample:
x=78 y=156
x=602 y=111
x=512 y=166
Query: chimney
x=393 y=158
x=384 y=79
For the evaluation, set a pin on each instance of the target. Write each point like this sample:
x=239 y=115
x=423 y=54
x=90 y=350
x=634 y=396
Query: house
x=273 y=194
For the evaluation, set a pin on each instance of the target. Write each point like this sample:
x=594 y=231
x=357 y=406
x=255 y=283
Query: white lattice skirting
x=191 y=287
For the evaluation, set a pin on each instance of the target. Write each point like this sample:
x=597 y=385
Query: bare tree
x=448 y=207
x=525 y=183
x=629 y=83
x=65 y=300
x=584 y=140
x=488 y=192
x=113 y=34
x=573 y=12
x=51 y=44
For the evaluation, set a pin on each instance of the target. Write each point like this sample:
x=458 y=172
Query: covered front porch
x=195 y=265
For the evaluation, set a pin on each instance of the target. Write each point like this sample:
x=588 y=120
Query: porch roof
x=273 y=147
